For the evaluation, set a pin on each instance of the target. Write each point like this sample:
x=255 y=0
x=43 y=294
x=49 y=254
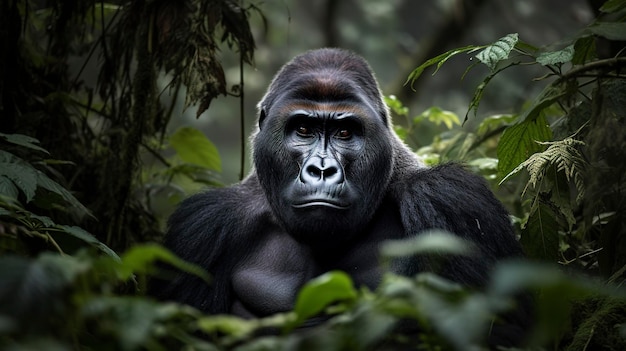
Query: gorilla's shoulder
x=452 y=198
x=214 y=214
x=448 y=180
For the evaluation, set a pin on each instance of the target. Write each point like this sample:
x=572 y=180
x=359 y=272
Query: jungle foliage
x=77 y=231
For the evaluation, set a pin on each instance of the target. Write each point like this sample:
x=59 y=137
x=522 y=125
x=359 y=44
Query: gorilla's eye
x=344 y=134
x=303 y=130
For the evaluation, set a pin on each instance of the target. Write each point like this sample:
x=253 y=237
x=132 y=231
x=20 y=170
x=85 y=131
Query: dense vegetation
x=78 y=230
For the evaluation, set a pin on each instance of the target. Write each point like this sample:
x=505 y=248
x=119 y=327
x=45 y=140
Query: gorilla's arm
x=451 y=198
x=214 y=230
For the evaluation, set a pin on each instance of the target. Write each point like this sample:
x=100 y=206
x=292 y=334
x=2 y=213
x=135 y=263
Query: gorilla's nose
x=321 y=170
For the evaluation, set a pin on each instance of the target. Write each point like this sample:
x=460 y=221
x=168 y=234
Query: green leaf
x=490 y=123
x=498 y=51
x=44 y=220
x=227 y=324
x=519 y=141
x=401 y=132
x=35 y=292
x=478 y=93
x=141 y=259
x=396 y=105
x=130 y=320
x=439 y=61
x=584 y=50
x=320 y=292
x=432 y=241
x=526 y=48
x=612 y=6
x=484 y=163
x=565 y=157
x=438 y=116
x=196 y=173
x=556 y=57
x=45 y=182
x=23 y=140
x=20 y=173
x=540 y=234
x=609 y=30
x=193 y=147
x=87 y=237
x=7 y=188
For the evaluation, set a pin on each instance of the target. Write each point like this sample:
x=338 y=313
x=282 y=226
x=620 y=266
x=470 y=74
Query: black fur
x=260 y=247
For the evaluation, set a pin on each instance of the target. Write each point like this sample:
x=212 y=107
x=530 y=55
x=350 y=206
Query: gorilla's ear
x=261 y=116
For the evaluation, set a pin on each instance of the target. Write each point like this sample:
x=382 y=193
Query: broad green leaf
x=197 y=173
x=7 y=188
x=540 y=234
x=490 y=123
x=67 y=267
x=44 y=220
x=439 y=61
x=519 y=141
x=556 y=57
x=401 y=132
x=49 y=184
x=462 y=322
x=35 y=292
x=612 y=6
x=23 y=140
x=130 y=320
x=87 y=237
x=609 y=30
x=478 y=93
x=437 y=116
x=193 y=147
x=498 y=51
x=525 y=47
x=396 y=105
x=584 y=50
x=227 y=324
x=433 y=241
x=484 y=163
x=20 y=173
x=141 y=259
x=320 y=292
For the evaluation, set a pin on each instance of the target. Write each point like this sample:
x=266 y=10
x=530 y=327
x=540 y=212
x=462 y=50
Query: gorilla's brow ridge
x=324 y=88
x=331 y=107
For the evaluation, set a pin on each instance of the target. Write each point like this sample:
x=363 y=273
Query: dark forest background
x=112 y=112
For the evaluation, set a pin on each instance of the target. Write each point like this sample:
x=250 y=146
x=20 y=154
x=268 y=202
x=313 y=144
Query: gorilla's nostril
x=319 y=170
x=315 y=172
x=329 y=172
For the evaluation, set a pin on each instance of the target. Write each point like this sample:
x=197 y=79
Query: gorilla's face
x=323 y=154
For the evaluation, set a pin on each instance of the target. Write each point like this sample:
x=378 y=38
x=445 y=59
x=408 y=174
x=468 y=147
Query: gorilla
x=331 y=182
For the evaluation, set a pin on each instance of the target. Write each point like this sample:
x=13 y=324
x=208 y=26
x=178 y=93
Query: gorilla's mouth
x=321 y=203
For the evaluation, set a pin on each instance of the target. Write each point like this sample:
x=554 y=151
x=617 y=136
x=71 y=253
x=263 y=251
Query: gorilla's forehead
x=324 y=87
x=323 y=91
x=330 y=108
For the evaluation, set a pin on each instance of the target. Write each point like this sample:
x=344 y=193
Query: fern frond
x=566 y=157
x=562 y=154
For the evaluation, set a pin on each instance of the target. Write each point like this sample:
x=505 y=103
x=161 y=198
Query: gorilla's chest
x=268 y=280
